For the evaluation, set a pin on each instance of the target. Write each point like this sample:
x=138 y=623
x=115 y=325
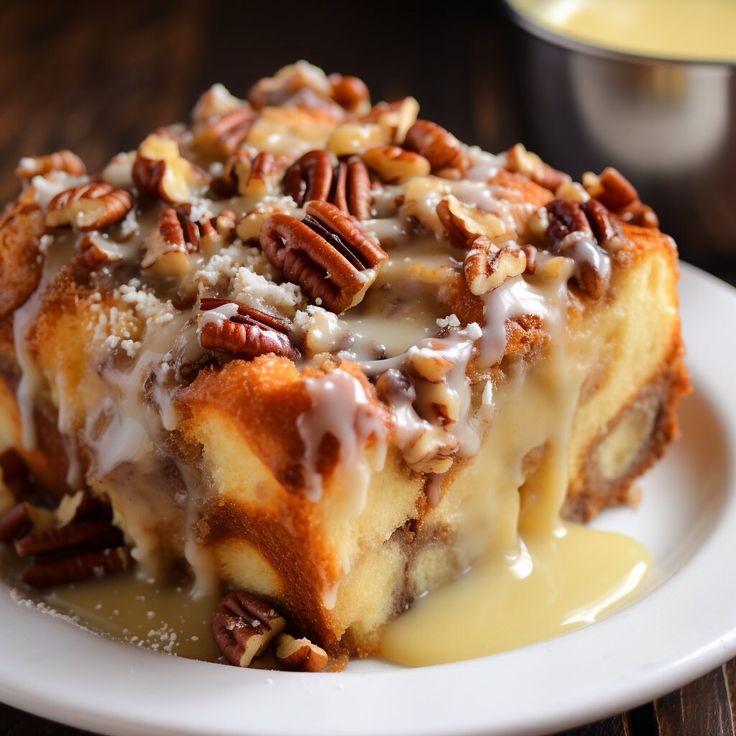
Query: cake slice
x=324 y=355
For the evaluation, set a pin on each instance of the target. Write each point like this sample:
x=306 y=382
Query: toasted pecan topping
x=463 y=224
x=313 y=177
x=443 y=151
x=327 y=254
x=161 y=171
x=612 y=189
x=14 y=523
x=89 y=207
x=58 y=161
x=95 y=252
x=524 y=162
x=46 y=573
x=300 y=655
x=593 y=222
x=243 y=626
x=394 y=164
x=487 y=265
x=222 y=136
x=352 y=188
x=245 y=332
x=396 y=118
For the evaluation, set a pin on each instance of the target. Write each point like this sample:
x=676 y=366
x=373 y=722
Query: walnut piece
x=487 y=265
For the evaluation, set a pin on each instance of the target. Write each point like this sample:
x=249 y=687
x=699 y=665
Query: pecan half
x=313 y=178
x=58 y=161
x=524 y=162
x=327 y=254
x=300 y=655
x=243 y=626
x=464 y=224
x=309 y=178
x=394 y=164
x=85 y=535
x=81 y=506
x=395 y=118
x=612 y=189
x=444 y=152
x=77 y=567
x=487 y=265
x=243 y=331
x=89 y=207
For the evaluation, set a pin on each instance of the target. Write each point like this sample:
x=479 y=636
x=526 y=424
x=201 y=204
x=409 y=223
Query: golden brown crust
x=21 y=226
x=591 y=492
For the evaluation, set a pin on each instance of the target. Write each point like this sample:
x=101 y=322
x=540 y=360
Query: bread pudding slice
x=324 y=353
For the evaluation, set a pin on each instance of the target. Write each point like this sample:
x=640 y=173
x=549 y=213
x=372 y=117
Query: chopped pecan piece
x=221 y=137
x=74 y=568
x=464 y=224
x=285 y=86
x=21 y=264
x=63 y=160
x=349 y=92
x=168 y=246
x=394 y=164
x=314 y=178
x=243 y=331
x=327 y=254
x=524 y=162
x=487 y=265
x=300 y=655
x=243 y=626
x=95 y=252
x=612 y=189
x=161 y=171
x=89 y=207
x=310 y=177
x=589 y=223
x=396 y=118
x=14 y=523
x=444 y=152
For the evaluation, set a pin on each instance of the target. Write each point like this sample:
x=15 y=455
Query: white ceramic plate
x=680 y=630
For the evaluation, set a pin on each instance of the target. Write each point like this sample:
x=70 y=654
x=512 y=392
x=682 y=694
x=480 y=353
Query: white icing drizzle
x=585 y=251
x=514 y=298
x=57 y=255
x=341 y=408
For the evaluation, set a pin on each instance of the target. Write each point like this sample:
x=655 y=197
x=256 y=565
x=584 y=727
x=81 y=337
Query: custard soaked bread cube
x=325 y=354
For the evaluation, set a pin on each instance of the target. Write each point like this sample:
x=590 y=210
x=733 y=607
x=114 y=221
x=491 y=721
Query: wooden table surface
x=96 y=77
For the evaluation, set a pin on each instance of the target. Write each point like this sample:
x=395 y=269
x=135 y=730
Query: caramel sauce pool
x=553 y=584
x=131 y=609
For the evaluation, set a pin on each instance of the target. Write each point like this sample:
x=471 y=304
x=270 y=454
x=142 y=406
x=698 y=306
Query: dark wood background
x=96 y=77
